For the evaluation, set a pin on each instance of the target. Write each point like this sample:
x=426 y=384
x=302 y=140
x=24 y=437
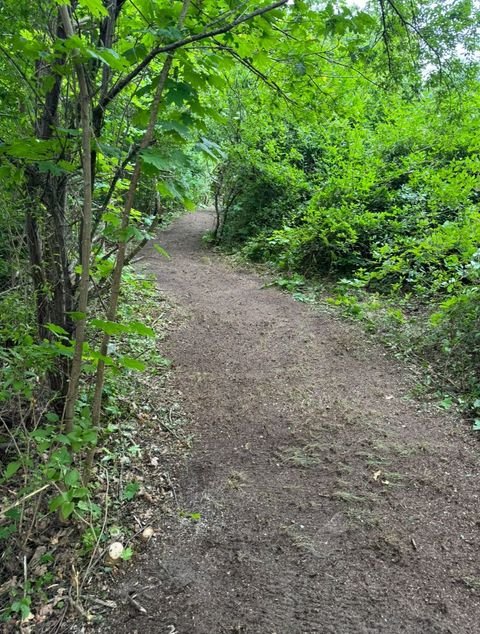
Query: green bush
x=386 y=197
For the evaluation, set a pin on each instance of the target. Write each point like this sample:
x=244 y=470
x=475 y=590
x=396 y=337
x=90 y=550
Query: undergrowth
x=377 y=201
x=55 y=525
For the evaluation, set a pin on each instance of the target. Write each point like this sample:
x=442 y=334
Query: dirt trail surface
x=330 y=500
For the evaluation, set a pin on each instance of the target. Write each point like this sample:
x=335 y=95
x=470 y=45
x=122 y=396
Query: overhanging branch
x=168 y=48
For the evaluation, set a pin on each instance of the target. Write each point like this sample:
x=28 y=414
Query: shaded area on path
x=330 y=501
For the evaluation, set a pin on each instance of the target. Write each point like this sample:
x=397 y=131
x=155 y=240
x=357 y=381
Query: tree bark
x=86 y=242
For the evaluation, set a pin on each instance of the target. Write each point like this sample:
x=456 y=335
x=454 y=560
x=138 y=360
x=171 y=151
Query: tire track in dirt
x=330 y=501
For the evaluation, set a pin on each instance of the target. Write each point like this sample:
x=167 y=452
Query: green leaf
x=55 y=168
x=211 y=149
x=179 y=92
x=72 y=477
x=57 y=330
x=67 y=509
x=109 y=327
x=135 y=54
x=189 y=205
x=446 y=403
x=141 y=329
x=31 y=149
x=132 y=364
x=115 y=328
x=76 y=315
x=151 y=156
x=6 y=531
x=131 y=490
x=127 y=554
x=80 y=493
x=109 y=57
x=90 y=436
x=111 y=218
x=22 y=606
x=11 y=469
x=476 y=425
x=57 y=501
x=162 y=251
x=168 y=190
x=95 y=7
x=176 y=127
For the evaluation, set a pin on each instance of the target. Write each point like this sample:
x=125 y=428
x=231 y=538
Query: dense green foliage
x=376 y=188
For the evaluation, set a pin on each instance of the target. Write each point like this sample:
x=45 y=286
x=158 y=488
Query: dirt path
x=330 y=501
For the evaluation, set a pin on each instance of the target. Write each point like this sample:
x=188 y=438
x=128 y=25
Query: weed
x=305 y=457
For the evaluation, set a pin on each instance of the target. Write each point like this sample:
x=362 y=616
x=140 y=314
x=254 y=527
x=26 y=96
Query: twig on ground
x=22 y=500
x=78 y=607
x=93 y=562
x=106 y=603
x=132 y=599
x=170 y=484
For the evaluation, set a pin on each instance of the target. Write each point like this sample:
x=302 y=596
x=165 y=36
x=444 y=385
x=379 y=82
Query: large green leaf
x=95 y=7
x=116 y=328
x=132 y=364
x=154 y=157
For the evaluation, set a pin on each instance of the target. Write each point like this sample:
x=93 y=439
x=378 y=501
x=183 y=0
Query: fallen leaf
x=45 y=610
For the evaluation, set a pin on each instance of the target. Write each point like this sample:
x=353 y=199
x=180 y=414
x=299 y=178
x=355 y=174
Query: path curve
x=330 y=501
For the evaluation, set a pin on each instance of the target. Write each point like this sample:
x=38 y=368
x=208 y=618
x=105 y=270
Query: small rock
x=114 y=553
x=147 y=534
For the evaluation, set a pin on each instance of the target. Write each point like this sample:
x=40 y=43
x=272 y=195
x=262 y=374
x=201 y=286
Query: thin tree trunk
x=85 y=121
x=45 y=229
x=158 y=215
x=37 y=272
x=122 y=245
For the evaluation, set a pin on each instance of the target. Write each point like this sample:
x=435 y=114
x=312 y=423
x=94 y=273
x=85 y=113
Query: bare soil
x=319 y=496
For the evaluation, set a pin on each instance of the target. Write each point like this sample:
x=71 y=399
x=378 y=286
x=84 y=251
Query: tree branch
x=253 y=69
x=169 y=48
